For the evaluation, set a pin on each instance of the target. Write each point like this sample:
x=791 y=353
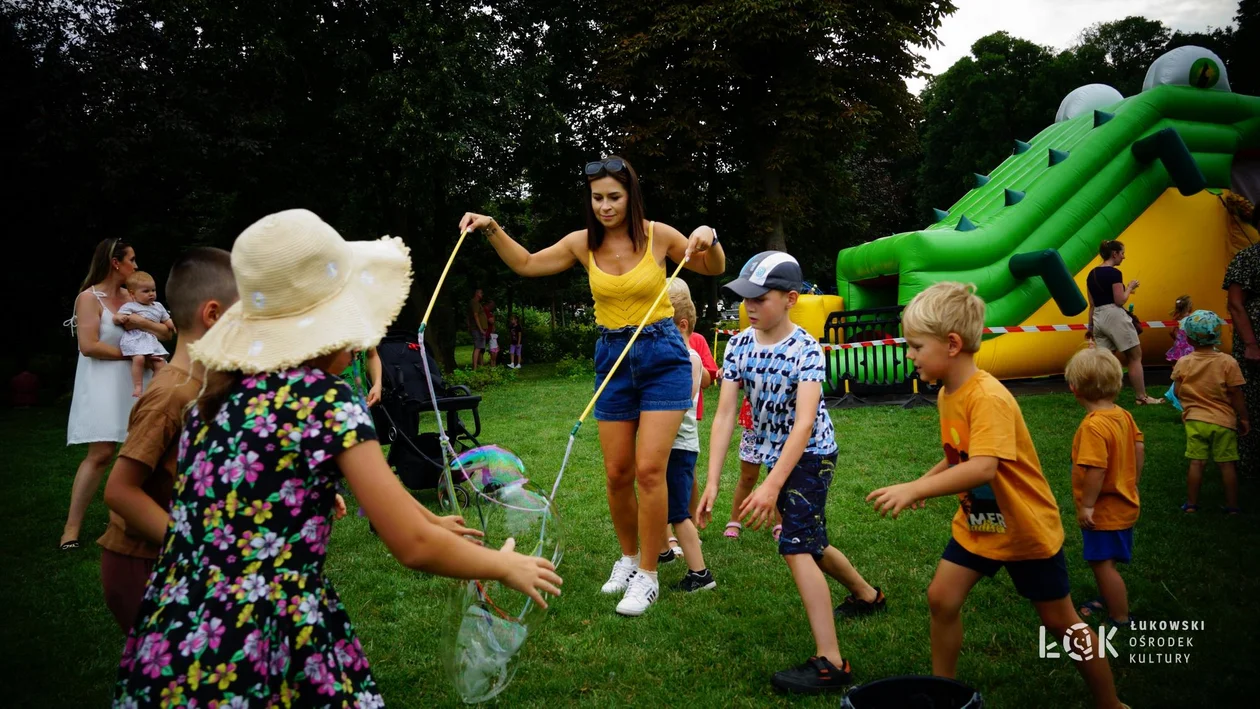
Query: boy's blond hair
x=1095 y=375
x=944 y=308
x=137 y=279
x=684 y=308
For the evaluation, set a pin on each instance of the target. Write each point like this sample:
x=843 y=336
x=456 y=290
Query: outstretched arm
x=558 y=257
x=939 y=481
x=707 y=258
x=419 y=543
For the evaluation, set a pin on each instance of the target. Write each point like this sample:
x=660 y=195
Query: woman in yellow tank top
x=640 y=410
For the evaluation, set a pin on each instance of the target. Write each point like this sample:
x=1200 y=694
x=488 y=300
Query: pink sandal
x=732 y=530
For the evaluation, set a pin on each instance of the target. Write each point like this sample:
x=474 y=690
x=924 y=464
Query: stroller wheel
x=462 y=495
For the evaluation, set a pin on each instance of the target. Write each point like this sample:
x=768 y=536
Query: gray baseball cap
x=767 y=271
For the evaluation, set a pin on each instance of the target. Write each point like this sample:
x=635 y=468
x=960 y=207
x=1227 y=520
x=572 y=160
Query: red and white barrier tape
x=1074 y=327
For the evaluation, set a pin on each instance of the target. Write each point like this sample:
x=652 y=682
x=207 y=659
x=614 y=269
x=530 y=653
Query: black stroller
x=415 y=456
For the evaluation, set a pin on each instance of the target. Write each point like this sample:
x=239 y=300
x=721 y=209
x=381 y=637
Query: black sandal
x=1089 y=609
x=68 y=546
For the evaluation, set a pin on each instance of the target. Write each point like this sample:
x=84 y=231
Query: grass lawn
x=60 y=647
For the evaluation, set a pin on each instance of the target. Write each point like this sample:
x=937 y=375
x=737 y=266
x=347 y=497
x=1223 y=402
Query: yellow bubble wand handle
x=608 y=378
x=448 y=453
x=424 y=321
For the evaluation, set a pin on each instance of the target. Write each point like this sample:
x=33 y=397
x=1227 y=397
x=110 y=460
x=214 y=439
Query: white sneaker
x=619 y=580
x=639 y=596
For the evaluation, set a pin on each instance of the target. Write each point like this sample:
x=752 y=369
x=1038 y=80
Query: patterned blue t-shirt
x=770 y=376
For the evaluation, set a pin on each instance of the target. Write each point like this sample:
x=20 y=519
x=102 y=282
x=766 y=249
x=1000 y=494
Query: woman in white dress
x=102 y=381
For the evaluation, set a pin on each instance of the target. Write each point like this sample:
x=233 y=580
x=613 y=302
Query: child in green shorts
x=1209 y=385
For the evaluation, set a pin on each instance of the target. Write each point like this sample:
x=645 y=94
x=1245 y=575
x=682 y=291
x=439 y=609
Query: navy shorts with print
x=803 y=506
x=680 y=475
x=1035 y=579
x=654 y=376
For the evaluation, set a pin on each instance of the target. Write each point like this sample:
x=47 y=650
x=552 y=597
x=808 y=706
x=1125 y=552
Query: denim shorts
x=654 y=376
x=803 y=506
x=1035 y=579
x=1112 y=545
x=680 y=475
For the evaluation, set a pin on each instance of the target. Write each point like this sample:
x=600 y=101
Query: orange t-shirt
x=1108 y=439
x=1013 y=517
x=1203 y=377
x=153 y=440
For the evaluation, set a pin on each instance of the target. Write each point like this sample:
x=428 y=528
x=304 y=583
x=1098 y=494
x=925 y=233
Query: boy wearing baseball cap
x=1209 y=385
x=779 y=367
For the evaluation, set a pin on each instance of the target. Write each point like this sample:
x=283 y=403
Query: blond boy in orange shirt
x=1007 y=516
x=1108 y=453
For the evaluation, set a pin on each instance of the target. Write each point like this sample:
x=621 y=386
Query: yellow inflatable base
x=1179 y=245
x=810 y=312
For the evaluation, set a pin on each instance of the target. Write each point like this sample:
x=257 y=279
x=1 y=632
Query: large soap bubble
x=489 y=622
x=489 y=468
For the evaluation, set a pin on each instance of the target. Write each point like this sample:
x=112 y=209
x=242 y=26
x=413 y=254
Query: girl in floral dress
x=238 y=612
x=1181 y=346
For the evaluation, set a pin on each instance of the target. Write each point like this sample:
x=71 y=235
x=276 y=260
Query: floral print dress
x=238 y=612
x=1244 y=270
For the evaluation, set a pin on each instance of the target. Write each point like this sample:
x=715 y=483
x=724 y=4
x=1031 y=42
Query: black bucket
x=913 y=692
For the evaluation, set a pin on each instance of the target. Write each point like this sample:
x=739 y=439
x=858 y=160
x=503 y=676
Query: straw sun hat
x=304 y=292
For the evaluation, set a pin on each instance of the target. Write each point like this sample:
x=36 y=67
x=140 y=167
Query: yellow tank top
x=621 y=301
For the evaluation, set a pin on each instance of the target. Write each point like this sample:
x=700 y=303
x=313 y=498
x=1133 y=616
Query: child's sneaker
x=696 y=581
x=816 y=676
x=619 y=580
x=640 y=595
x=851 y=607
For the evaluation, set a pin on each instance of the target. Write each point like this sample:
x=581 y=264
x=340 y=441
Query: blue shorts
x=1035 y=579
x=803 y=506
x=680 y=474
x=654 y=376
x=1114 y=545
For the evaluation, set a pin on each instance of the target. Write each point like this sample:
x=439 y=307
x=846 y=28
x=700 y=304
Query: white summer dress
x=102 y=390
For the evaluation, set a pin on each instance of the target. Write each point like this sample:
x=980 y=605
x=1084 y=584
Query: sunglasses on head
x=602 y=167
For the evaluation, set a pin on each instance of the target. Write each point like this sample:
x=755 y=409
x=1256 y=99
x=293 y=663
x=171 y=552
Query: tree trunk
x=776 y=240
x=444 y=317
x=711 y=207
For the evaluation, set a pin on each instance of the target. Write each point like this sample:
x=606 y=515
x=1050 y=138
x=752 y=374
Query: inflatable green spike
x=1013 y=196
x=1021 y=147
x=941 y=214
x=981 y=180
x=964 y=224
x=1048 y=264
x=1057 y=156
x=1101 y=117
x=1168 y=147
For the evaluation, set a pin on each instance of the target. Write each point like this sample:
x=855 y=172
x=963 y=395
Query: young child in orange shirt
x=1209 y=385
x=1007 y=516
x=1107 y=458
